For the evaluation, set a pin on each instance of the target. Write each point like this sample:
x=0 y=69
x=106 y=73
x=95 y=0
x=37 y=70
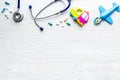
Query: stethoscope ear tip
x=41 y=28
x=30 y=6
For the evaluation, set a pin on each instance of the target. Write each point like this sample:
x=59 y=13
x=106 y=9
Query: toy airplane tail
x=114 y=4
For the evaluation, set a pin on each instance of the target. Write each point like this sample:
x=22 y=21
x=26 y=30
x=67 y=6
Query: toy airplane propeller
x=105 y=14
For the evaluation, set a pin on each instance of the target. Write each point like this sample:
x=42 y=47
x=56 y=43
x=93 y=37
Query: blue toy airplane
x=105 y=14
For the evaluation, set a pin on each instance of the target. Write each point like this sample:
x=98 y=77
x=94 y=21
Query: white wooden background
x=69 y=53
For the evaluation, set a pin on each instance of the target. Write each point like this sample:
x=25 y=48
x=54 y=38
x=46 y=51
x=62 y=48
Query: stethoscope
x=59 y=12
x=17 y=16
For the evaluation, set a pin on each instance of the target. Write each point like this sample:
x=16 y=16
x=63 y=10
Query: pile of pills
x=6 y=11
x=61 y=23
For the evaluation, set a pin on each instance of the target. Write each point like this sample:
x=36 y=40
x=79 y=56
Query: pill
x=50 y=24
x=7 y=3
x=65 y=19
x=68 y=23
x=3 y=10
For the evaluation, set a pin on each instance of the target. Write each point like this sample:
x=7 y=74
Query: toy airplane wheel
x=97 y=21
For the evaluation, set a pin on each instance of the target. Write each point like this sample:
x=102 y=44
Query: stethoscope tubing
x=18 y=5
x=48 y=6
x=61 y=11
x=36 y=17
x=69 y=3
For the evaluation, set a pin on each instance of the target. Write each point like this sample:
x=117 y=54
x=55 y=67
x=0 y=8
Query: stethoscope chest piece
x=17 y=16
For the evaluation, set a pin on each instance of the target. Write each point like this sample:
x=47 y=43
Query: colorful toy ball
x=79 y=15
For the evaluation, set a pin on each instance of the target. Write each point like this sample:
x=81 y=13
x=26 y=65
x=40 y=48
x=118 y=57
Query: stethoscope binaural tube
x=36 y=17
x=41 y=28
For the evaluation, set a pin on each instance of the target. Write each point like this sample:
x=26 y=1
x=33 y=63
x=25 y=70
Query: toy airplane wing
x=101 y=9
x=109 y=20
